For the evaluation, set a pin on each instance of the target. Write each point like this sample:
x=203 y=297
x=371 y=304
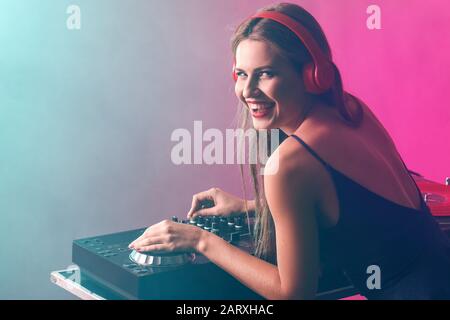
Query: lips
x=260 y=109
x=257 y=105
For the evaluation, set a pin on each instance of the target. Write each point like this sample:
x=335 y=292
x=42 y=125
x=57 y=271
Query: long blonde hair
x=291 y=48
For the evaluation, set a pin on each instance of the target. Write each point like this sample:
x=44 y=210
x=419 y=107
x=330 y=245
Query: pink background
x=400 y=71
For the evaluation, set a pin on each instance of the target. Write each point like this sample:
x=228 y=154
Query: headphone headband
x=300 y=31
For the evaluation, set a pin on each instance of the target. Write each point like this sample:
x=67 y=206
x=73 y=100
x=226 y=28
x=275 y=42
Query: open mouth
x=261 y=109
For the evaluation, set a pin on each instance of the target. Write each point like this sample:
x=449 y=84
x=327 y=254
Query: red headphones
x=318 y=75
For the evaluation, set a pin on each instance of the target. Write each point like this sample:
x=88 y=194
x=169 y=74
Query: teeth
x=258 y=107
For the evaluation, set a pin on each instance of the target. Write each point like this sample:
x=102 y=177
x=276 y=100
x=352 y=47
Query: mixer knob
x=239 y=226
x=193 y=221
x=230 y=225
x=175 y=219
x=447 y=181
x=207 y=226
x=200 y=222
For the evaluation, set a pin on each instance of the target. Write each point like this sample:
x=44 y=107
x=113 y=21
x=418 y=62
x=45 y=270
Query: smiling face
x=269 y=86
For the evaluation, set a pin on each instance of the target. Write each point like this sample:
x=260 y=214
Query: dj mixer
x=109 y=262
x=135 y=275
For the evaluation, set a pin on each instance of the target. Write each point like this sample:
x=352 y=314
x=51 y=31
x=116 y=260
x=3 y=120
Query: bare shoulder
x=294 y=167
x=289 y=158
x=334 y=140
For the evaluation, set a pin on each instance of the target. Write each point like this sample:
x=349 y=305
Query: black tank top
x=412 y=253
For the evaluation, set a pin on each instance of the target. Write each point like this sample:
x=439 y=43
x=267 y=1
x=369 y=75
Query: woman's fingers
x=205 y=212
x=193 y=206
x=155 y=247
x=159 y=233
x=146 y=240
x=168 y=236
x=142 y=236
x=197 y=200
x=133 y=243
x=148 y=233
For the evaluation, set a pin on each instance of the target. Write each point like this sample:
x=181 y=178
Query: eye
x=266 y=74
x=240 y=74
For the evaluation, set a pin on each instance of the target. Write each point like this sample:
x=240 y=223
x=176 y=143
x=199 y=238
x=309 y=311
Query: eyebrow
x=258 y=69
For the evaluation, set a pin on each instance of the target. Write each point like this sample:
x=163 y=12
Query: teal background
x=86 y=115
x=85 y=124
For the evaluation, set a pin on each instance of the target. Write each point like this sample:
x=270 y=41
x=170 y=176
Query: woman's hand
x=168 y=236
x=223 y=204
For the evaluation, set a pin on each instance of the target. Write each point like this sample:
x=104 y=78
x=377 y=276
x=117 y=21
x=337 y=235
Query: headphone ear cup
x=325 y=76
x=317 y=80
x=308 y=78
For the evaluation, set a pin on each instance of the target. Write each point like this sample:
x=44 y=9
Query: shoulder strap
x=307 y=147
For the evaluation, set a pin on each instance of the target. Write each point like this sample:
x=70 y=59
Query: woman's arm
x=256 y=274
x=291 y=199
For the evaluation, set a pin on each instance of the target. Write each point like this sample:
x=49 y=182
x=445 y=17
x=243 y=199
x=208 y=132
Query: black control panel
x=135 y=275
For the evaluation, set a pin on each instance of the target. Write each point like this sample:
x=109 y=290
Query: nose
x=251 y=88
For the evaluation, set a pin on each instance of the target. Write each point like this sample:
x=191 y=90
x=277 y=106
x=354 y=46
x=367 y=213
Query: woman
x=341 y=192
